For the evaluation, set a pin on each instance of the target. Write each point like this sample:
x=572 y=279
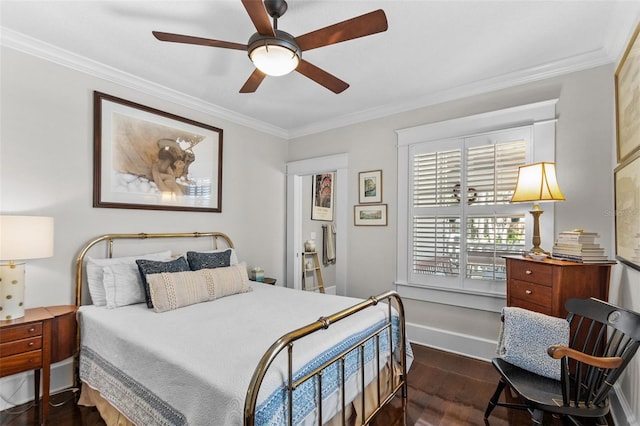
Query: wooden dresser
x=544 y=286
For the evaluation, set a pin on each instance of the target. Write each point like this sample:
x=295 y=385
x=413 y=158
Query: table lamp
x=21 y=237
x=537 y=182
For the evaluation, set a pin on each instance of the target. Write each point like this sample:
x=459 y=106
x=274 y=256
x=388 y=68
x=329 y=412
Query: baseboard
x=621 y=411
x=18 y=388
x=446 y=340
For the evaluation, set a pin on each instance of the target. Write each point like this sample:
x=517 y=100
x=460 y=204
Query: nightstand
x=267 y=280
x=33 y=342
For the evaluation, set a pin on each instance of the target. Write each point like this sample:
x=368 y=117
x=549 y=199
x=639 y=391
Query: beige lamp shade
x=21 y=237
x=537 y=182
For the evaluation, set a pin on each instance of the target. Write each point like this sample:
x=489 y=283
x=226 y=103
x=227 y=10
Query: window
x=455 y=216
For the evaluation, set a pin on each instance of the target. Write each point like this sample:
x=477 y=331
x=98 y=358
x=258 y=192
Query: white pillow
x=95 y=273
x=122 y=284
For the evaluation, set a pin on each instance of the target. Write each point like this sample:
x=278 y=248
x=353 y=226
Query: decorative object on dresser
x=545 y=286
x=40 y=338
x=578 y=246
x=21 y=237
x=537 y=182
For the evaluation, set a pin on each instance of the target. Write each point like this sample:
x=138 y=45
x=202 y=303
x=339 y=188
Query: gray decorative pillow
x=148 y=267
x=198 y=260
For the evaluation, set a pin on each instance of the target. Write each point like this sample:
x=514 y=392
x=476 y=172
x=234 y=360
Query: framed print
x=627 y=85
x=627 y=215
x=370 y=186
x=149 y=159
x=322 y=196
x=370 y=215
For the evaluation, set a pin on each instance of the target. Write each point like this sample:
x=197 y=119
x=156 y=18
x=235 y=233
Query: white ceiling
x=433 y=51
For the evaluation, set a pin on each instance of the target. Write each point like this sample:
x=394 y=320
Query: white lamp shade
x=274 y=60
x=25 y=237
x=537 y=182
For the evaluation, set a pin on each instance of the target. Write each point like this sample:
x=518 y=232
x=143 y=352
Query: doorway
x=296 y=171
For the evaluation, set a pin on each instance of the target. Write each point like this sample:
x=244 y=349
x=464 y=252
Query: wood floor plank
x=445 y=389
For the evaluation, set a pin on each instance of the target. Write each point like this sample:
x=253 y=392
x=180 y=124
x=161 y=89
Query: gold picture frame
x=627 y=87
x=627 y=213
x=149 y=159
x=370 y=215
x=370 y=187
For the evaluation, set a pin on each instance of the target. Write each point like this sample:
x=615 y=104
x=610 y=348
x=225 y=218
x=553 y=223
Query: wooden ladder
x=311 y=269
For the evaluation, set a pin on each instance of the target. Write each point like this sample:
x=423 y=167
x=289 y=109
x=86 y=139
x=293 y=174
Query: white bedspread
x=193 y=365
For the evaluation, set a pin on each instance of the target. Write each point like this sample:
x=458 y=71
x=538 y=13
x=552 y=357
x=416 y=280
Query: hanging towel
x=328 y=244
x=525 y=336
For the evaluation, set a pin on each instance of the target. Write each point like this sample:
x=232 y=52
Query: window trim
x=541 y=116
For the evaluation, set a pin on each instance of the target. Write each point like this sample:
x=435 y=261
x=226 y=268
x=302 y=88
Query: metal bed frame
x=397 y=370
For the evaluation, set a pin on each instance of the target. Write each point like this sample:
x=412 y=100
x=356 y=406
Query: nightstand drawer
x=18 y=332
x=533 y=272
x=530 y=292
x=18 y=363
x=20 y=346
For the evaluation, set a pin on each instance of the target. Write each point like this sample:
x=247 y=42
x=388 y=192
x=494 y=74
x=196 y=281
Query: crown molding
x=40 y=49
x=553 y=69
x=31 y=46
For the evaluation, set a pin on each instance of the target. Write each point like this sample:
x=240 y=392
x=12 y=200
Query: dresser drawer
x=18 y=332
x=529 y=305
x=20 y=346
x=18 y=363
x=533 y=272
x=530 y=292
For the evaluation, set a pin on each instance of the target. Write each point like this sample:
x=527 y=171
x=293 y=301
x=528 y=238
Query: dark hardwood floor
x=444 y=389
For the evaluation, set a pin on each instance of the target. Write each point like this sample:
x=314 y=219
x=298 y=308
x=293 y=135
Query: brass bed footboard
x=398 y=383
x=397 y=362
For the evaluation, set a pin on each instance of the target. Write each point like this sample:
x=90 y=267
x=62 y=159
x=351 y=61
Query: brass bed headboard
x=109 y=239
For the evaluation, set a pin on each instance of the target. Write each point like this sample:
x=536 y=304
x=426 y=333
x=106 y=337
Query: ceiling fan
x=275 y=52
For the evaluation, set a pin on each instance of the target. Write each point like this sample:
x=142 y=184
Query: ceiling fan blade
x=178 y=38
x=360 y=26
x=253 y=82
x=321 y=77
x=259 y=17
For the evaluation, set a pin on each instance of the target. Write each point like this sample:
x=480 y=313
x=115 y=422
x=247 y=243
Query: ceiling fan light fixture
x=274 y=56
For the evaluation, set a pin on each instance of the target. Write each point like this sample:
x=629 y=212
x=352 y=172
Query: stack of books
x=578 y=246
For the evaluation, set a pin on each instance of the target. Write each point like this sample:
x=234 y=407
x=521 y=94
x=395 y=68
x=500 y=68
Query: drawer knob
x=31 y=343
x=528 y=272
x=32 y=329
x=528 y=291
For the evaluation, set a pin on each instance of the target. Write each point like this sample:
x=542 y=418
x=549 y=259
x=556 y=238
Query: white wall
x=585 y=161
x=46 y=154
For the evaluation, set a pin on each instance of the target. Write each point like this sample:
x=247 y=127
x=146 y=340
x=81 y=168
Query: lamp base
x=11 y=290
x=536 y=249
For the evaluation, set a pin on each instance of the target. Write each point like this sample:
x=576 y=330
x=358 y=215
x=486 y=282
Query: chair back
x=599 y=329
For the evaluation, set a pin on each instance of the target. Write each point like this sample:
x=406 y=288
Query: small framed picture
x=370 y=186
x=322 y=196
x=370 y=215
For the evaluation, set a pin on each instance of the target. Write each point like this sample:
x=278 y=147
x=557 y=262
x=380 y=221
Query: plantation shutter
x=457 y=209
